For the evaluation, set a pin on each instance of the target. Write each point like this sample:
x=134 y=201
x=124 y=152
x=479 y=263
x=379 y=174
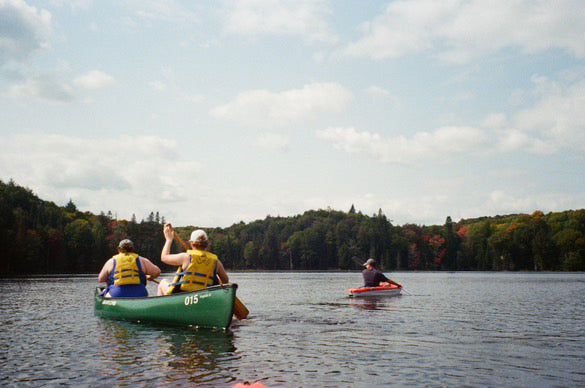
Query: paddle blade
x=240 y=311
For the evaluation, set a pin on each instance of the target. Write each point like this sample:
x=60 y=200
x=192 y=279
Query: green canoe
x=212 y=307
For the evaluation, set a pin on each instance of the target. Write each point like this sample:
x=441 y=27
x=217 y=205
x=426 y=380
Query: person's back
x=201 y=272
x=373 y=277
x=198 y=268
x=127 y=278
x=126 y=273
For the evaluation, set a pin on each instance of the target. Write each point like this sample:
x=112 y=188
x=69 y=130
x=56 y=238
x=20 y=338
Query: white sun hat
x=198 y=236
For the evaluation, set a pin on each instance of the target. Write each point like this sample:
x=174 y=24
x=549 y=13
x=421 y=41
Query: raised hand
x=169 y=232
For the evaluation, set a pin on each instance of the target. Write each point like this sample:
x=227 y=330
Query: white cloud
x=557 y=116
x=24 y=30
x=460 y=30
x=426 y=208
x=170 y=11
x=405 y=27
x=158 y=86
x=272 y=141
x=43 y=88
x=553 y=122
x=50 y=87
x=431 y=207
x=506 y=202
x=94 y=79
x=304 y=18
x=74 y=4
x=194 y=98
x=262 y=107
x=501 y=200
x=154 y=177
x=443 y=142
x=434 y=208
x=87 y=167
x=495 y=121
x=514 y=139
x=377 y=91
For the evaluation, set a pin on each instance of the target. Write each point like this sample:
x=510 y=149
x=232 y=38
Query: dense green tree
x=38 y=236
x=250 y=254
x=70 y=207
x=479 y=253
x=80 y=245
x=571 y=249
x=452 y=242
x=544 y=254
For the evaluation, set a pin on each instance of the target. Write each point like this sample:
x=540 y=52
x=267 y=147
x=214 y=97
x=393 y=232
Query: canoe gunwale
x=99 y=289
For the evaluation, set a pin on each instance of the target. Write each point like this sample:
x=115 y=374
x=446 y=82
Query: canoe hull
x=365 y=292
x=212 y=307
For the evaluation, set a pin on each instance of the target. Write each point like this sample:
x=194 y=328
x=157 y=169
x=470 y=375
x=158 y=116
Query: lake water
x=461 y=329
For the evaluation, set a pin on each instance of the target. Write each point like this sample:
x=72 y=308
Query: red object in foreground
x=386 y=290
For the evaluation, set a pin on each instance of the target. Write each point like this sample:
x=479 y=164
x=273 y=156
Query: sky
x=216 y=112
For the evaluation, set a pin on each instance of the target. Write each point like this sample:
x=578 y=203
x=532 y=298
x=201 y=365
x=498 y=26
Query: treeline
x=40 y=237
x=37 y=236
x=329 y=239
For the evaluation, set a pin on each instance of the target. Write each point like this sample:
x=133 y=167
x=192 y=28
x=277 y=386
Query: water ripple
x=453 y=329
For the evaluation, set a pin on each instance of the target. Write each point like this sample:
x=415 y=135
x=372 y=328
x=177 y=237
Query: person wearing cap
x=126 y=273
x=373 y=277
x=198 y=268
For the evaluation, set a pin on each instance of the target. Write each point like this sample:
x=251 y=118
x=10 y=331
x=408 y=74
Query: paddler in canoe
x=198 y=268
x=373 y=277
x=126 y=273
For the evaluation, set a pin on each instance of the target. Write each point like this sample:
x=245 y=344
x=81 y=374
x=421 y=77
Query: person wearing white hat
x=373 y=277
x=198 y=268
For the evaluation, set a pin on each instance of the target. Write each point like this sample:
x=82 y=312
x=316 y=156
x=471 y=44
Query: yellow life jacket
x=201 y=272
x=126 y=270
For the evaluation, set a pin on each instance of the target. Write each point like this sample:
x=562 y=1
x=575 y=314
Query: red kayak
x=385 y=290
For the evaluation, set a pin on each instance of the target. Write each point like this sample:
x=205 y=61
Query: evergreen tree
x=70 y=207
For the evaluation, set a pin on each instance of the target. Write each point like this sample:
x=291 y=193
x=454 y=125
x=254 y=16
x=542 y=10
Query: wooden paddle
x=240 y=310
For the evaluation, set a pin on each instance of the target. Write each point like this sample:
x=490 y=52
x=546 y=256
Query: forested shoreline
x=40 y=237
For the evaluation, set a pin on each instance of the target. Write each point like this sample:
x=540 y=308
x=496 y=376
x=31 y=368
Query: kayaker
x=198 y=268
x=373 y=277
x=126 y=273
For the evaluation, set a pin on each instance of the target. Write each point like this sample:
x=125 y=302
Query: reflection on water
x=371 y=303
x=378 y=302
x=181 y=354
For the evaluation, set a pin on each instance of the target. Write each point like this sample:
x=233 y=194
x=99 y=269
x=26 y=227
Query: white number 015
x=191 y=299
